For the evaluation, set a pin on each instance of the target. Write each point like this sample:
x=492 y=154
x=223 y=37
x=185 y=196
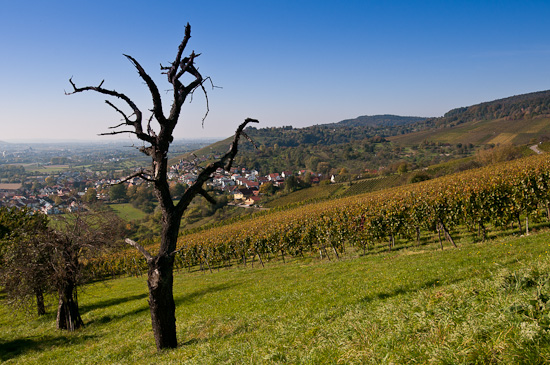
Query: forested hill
x=517 y=120
x=381 y=141
x=376 y=128
x=514 y=107
x=376 y=121
x=370 y=128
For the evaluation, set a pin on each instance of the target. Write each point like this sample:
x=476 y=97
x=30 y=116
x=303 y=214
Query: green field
x=127 y=212
x=480 y=303
x=48 y=169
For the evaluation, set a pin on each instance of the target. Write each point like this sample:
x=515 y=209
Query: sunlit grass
x=128 y=212
x=412 y=306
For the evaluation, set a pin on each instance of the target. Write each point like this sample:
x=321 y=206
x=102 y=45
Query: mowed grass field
x=127 y=212
x=479 y=303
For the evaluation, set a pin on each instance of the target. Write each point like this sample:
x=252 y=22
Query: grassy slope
x=487 y=131
x=127 y=212
x=420 y=305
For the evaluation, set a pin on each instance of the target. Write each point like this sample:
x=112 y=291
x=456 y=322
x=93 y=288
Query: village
x=69 y=191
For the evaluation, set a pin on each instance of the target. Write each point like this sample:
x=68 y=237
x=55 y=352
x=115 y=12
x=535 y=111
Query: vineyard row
x=495 y=196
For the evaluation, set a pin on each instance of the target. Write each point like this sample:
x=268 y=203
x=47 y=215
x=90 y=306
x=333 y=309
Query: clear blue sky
x=283 y=62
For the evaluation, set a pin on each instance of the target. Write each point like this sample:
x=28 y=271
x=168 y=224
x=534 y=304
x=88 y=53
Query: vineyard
x=312 y=194
x=377 y=183
x=501 y=197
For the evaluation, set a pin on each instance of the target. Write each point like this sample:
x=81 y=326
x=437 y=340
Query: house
x=274 y=177
x=252 y=200
x=243 y=193
x=74 y=207
x=251 y=184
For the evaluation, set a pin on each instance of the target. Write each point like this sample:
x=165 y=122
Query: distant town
x=69 y=191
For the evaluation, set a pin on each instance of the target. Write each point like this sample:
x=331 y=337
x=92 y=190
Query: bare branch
x=224 y=162
x=149 y=129
x=157 y=103
x=140 y=248
x=127 y=121
x=230 y=155
x=136 y=124
x=181 y=48
x=249 y=139
x=143 y=174
x=209 y=198
x=187 y=66
x=116 y=132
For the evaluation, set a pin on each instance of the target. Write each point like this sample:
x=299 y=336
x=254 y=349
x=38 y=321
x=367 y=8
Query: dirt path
x=535 y=148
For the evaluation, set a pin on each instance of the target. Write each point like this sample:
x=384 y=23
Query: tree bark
x=68 y=315
x=161 y=301
x=160 y=275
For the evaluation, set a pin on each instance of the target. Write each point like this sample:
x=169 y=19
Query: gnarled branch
x=136 y=123
x=140 y=248
x=224 y=162
x=157 y=102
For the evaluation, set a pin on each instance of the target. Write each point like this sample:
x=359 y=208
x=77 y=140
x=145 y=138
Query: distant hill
x=376 y=120
x=514 y=107
x=345 y=131
x=363 y=143
x=518 y=119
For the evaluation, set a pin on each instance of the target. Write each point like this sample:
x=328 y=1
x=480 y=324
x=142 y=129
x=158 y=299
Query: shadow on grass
x=107 y=318
x=179 y=300
x=187 y=298
x=111 y=302
x=399 y=291
x=14 y=348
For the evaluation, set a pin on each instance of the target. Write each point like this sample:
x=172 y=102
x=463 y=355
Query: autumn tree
x=118 y=193
x=90 y=196
x=37 y=260
x=157 y=139
x=25 y=273
x=76 y=237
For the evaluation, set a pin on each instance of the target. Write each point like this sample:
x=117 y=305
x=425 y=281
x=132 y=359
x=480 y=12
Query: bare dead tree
x=160 y=266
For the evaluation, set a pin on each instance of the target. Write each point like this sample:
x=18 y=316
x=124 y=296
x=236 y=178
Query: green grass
x=473 y=304
x=127 y=212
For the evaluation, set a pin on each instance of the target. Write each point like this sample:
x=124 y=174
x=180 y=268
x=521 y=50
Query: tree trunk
x=161 y=301
x=68 y=315
x=160 y=276
x=40 y=308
